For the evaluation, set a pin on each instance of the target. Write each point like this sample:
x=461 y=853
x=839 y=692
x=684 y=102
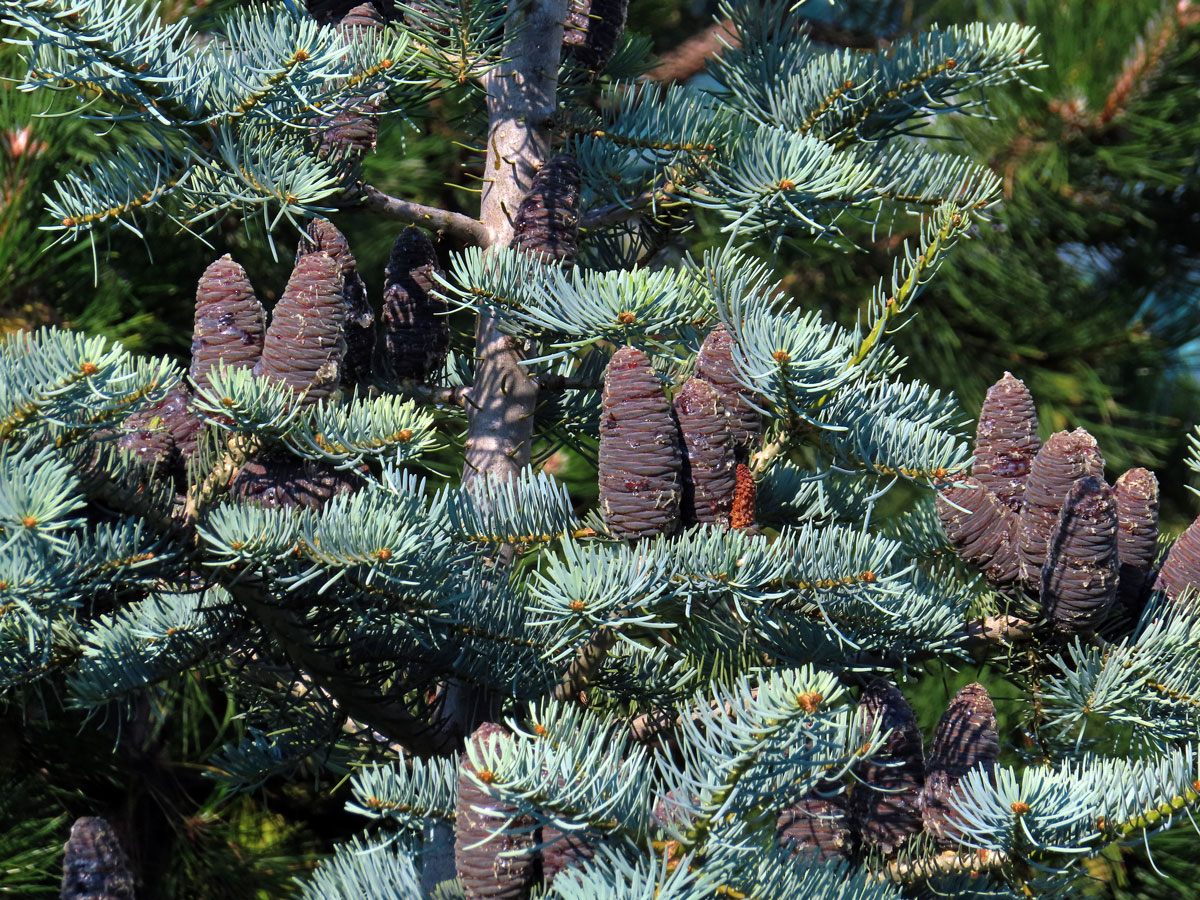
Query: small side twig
x=949 y=862
x=615 y=213
x=586 y=664
x=201 y=494
x=455 y=224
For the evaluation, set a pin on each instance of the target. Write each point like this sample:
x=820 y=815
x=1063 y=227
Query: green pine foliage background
x=1086 y=284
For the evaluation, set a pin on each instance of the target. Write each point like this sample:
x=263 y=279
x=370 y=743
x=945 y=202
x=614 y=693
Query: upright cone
x=415 y=328
x=884 y=803
x=816 y=825
x=1006 y=440
x=547 y=221
x=714 y=364
x=1136 y=494
x=1181 y=568
x=1079 y=577
x=275 y=482
x=1065 y=458
x=323 y=235
x=709 y=476
x=229 y=325
x=485 y=873
x=305 y=343
x=593 y=30
x=966 y=739
x=981 y=528
x=94 y=865
x=640 y=464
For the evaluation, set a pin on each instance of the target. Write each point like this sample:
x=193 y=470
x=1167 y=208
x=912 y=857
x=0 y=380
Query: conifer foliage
x=690 y=690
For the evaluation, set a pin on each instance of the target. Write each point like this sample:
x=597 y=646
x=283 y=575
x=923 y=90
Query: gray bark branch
x=463 y=227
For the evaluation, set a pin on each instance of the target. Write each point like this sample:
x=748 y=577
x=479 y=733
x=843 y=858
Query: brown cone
x=1136 y=494
x=816 y=826
x=708 y=465
x=884 y=804
x=1181 y=568
x=286 y=482
x=1079 y=577
x=486 y=874
x=94 y=865
x=165 y=433
x=360 y=318
x=714 y=364
x=593 y=30
x=562 y=851
x=1006 y=440
x=229 y=324
x=640 y=464
x=966 y=738
x=981 y=528
x=415 y=328
x=547 y=221
x=1062 y=460
x=305 y=343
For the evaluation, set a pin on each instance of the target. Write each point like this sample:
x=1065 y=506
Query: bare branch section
x=457 y=225
x=521 y=98
x=690 y=57
x=390 y=717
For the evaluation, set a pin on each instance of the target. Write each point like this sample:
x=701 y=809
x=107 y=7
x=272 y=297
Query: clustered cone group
x=1041 y=517
x=321 y=341
x=896 y=793
x=899 y=791
x=663 y=465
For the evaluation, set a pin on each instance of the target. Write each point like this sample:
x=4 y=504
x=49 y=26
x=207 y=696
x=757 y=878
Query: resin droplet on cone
x=1006 y=440
x=709 y=476
x=305 y=343
x=1079 y=577
x=966 y=739
x=640 y=465
x=415 y=328
x=547 y=221
x=884 y=803
x=1062 y=460
x=486 y=870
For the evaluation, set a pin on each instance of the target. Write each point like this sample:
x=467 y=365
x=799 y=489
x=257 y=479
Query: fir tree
x=688 y=692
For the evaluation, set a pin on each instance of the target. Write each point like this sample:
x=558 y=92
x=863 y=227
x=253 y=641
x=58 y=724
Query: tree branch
x=472 y=231
x=389 y=716
x=612 y=213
